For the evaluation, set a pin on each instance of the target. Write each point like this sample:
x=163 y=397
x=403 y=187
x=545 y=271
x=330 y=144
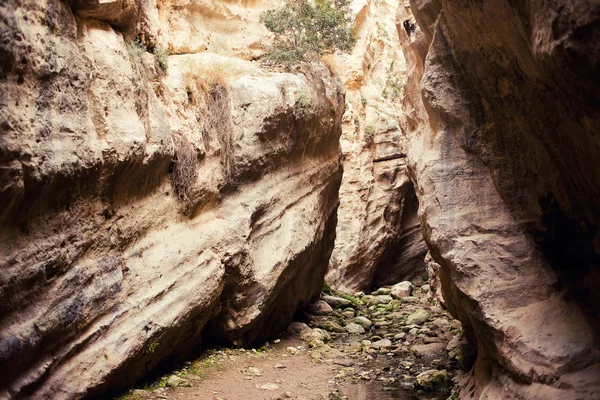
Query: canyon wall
x=379 y=240
x=502 y=121
x=151 y=200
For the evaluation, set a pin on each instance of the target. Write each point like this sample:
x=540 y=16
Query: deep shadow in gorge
x=403 y=258
x=569 y=246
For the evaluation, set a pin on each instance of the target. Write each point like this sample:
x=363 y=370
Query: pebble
x=382 y=343
x=402 y=290
x=269 y=386
x=253 y=371
x=354 y=328
x=364 y=321
x=419 y=317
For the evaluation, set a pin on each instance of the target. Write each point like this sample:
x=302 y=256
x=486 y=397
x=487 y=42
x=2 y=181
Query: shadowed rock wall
x=502 y=119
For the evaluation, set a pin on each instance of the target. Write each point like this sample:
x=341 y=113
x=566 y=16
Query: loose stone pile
x=395 y=336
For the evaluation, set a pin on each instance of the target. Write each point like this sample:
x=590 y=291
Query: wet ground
x=348 y=347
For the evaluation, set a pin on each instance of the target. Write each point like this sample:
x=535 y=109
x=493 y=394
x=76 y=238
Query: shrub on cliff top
x=304 y=30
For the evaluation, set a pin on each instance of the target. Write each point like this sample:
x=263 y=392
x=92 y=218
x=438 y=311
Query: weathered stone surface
x=99 y=259
x=500 y=121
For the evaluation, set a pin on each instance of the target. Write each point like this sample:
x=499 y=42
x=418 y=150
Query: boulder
x=433 y=380
x=336 y=302
x=320 y=307
x=402 y=290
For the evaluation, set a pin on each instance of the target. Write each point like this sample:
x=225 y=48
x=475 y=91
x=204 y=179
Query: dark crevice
x=388 y=158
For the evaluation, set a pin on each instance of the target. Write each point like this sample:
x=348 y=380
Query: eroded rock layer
x=501 y=117
x=105 y=270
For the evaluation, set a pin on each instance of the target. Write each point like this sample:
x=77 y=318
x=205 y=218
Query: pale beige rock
x=402 y=289
x=104 y=272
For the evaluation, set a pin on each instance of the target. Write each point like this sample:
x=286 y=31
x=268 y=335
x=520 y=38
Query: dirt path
x=370 y=347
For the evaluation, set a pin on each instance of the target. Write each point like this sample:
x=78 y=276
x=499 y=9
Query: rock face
x=501 y=120
x=379 y=240
x=100 y=259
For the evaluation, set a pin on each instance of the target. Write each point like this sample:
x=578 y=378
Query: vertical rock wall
x=501 y=118
x=105 y=270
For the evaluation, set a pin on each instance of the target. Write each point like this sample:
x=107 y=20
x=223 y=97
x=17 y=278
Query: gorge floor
x=370 y=347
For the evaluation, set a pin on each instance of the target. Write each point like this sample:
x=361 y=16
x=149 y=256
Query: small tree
x=304 y=30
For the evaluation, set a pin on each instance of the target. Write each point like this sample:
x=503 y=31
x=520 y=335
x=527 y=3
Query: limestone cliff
x=106 y=270
x=379 y=240
x=501 y=121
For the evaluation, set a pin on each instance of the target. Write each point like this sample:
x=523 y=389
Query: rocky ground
x=395 y=343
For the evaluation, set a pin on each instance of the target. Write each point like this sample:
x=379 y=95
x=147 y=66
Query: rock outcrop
x=501 y=120
x=106 y=271
x=379 y=240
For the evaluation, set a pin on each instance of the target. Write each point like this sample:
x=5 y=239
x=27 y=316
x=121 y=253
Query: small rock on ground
x=336 y=302
x=321 y=307
x=402 y=290
x=419 y=317
x=354 y=328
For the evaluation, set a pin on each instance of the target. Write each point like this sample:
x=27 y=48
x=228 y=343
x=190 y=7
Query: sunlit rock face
x=105 y=272
x=501 y=121
x=379 y=240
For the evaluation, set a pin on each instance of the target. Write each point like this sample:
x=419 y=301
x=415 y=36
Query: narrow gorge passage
x=178 y=179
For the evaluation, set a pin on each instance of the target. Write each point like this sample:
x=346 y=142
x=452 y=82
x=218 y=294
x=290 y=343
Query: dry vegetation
x=185 y=167
x=217 y=123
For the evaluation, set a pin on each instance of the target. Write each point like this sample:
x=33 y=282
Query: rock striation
x=501 y=127
x=106 y=271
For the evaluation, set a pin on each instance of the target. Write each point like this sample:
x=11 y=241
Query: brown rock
x=497 y=96
x=320 y=307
